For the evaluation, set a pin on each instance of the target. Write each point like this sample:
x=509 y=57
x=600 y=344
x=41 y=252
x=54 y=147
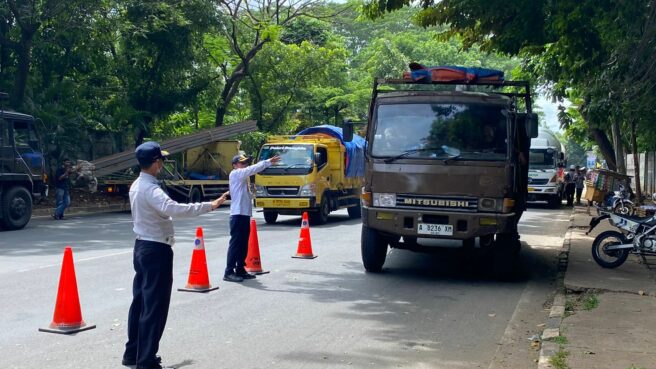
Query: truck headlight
x=309 y=190
x=384 y=199
x=260 y=191
x=487 y=204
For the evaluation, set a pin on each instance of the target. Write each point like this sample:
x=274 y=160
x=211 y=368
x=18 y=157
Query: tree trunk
x=4 y=48
x=636 y=163
x=229 y=91
x=24 y=51
x=605 y=146
x=232 y=83
x=139 y=139
x=619 y=148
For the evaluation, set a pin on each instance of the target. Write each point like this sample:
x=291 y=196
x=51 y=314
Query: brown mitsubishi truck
x=446 y=160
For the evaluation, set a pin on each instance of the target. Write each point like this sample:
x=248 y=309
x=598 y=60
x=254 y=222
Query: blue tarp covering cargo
x=450 y=73
x=354 y=149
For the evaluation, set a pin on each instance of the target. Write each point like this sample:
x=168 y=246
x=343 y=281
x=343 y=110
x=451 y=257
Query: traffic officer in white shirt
x=152 y=210
x=241 y=209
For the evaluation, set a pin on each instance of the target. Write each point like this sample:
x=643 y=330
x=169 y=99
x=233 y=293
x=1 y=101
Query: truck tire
x=555 y=202
x=270 y=217
x=355 y=212
x=195 y=195
x=321 y=215
x=505 y=256
x=374 y=250
x=16 y=208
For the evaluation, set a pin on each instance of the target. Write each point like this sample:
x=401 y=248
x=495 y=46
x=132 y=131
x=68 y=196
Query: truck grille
x=538 y=181
x=427 y=202
x=282 y=191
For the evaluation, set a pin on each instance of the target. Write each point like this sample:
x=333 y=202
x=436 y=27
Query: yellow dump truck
x=317 y=174
x=196 y=174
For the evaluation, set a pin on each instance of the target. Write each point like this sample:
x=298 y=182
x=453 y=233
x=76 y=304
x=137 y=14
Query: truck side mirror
x=532 y=125
x=530 y=122
x=562 y=157
x=347 y=131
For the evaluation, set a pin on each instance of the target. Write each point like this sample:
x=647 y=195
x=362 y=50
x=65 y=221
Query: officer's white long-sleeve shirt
x=152 y=210
x=241 y=200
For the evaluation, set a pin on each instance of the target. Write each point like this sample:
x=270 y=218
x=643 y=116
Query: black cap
x=240 y=159
x=148 y=152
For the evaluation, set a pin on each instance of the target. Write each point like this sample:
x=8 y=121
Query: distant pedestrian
x=241 y=209
x=570 y=186
x=62 y=188
x=579 y=182
x=152 y=210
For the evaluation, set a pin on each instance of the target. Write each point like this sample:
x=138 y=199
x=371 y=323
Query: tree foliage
x=599 y=53
x=125 y=71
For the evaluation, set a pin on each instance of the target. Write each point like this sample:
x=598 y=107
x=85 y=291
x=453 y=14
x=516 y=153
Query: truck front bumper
x=542 y=193
x=286 y=206
x=404 y=222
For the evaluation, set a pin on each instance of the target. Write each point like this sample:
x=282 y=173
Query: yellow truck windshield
x=294 y=159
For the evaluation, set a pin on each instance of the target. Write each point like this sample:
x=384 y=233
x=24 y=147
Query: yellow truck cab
x=310 y=177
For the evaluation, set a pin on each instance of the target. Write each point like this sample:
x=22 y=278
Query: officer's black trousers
x=151 y=292
x=240 y=226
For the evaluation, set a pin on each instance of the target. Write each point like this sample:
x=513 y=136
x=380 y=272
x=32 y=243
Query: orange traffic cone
x=253 y=262
x=68 y=315
x=199 y=279
x=304 y=242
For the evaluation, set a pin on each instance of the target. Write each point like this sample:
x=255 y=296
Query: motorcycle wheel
x=623 y=208
x=609 y=258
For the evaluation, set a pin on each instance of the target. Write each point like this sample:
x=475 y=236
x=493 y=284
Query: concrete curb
x=551 y=330
x=86 y=210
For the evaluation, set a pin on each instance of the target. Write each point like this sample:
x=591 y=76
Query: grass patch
x=590 y=302
x=569 y=307
x=559 y=361
x=561 y=340
x=583 y=301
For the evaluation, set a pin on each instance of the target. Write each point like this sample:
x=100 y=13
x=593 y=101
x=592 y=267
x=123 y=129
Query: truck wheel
x=555 y=202
x=505 y=255
x=374 y=250
x=16 y=208
x=355 y=212
x=195 y=195
x=321 y=216
x=270 y=217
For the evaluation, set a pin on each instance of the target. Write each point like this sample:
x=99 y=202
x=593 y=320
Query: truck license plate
x=531 y=189
x=435 y=229
x=282 y=202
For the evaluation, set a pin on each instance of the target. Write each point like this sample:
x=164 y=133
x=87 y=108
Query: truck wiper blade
x=297 y=165
x=411 y=151
x=453 y=157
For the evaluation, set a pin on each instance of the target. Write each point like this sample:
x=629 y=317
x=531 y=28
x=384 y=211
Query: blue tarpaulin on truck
x=451 y=73
x=354 y=149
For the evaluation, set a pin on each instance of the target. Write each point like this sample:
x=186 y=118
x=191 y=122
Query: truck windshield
x=477 y=131
x=294 y=159
x=542 y=159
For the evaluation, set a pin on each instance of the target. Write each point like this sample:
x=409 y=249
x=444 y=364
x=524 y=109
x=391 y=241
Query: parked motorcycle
x=637 y=235
x=619 y=202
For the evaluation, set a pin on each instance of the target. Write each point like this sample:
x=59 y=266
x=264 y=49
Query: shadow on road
x=453 y=298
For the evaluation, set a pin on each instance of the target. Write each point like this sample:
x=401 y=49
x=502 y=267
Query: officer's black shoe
x=133 y=362
x=246 y=275
x=156 y=366
x=233 y=278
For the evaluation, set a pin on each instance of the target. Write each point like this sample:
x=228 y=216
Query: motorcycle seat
x=650 y=221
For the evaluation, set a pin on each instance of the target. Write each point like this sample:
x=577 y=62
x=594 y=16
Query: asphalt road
x=423 y=311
